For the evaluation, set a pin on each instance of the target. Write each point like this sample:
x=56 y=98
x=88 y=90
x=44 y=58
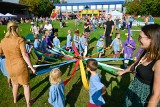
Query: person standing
x=97 y=89
x=108 y=32
x=144 y=90
x=16 y=55
x=56 y=90
x=128 y=48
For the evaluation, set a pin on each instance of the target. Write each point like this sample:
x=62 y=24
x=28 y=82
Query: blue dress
x=56 y=95
x=3 y=67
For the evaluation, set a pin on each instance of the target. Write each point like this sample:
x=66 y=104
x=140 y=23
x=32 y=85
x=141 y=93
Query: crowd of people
x=144 y=89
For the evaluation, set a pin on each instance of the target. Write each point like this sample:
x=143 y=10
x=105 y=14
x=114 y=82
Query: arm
x=1 y=51
x=25 y=55
x=155 y=96
x=52 y=97
x=27 y=60
x=112 y=29
x=104 y=90
x=120 y=73
x=105 y=26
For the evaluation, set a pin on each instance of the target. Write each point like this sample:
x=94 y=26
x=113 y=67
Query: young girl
x=69 y=41
x=83 y=44
x=76 y=39
x=128 y=48
x=100 y=46
x=37 y=46
x=56 y=91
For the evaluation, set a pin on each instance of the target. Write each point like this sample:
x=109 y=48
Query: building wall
x=85 y=1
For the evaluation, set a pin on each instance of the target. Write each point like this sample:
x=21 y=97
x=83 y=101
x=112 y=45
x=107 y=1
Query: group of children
x=96 y=90
x=81 y=43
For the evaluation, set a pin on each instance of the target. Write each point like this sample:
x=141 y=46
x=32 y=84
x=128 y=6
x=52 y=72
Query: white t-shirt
x=48 y=27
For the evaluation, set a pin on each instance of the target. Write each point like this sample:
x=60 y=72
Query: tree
x=133 y=7
x=40 y=7
x=143 y=7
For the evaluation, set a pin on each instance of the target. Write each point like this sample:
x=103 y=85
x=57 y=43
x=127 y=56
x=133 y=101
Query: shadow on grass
x=92 y=40
x=90 y=53
x=62 y=38
x=64 y=68
x=117 y=92
x=40 y=83
x=72 y=98
x=42 y=90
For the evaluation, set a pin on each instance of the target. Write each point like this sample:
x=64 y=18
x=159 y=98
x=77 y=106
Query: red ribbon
x=75 y=50
x=73 y=73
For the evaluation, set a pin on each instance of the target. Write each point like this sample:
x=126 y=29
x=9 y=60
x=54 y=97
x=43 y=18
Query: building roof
x=91 y=3
x=11 y=5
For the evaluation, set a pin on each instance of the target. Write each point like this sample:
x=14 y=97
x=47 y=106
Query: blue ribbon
x=110 y=59
x=56 y=66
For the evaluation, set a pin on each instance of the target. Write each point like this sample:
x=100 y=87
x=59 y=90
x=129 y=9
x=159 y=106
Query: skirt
x=137 y=95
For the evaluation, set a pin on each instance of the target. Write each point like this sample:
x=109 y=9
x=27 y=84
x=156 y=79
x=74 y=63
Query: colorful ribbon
x=75 y=50
x=57 y=66
x=83 y=76
x=73 y=73
x=69 y=53
x=48 y=56
x=110 y=59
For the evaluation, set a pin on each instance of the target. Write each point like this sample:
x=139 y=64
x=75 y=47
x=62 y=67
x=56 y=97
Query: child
x=69 y=41
x=100 y=46
x=44 y=47
x=48 y=40
x=3 y=69
x=128 y=48
x=56 y=91
x=37 y=46
x=76 y=39
x=97 y=89
x=116 y=43
x=83 y=44
x=56 y=41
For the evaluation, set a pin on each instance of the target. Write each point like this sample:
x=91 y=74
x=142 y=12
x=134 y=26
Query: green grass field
x=76 y=95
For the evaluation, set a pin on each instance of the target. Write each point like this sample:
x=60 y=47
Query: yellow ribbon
x=83 y=76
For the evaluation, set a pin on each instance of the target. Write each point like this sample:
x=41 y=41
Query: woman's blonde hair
x=12 y=29
x=55 y=76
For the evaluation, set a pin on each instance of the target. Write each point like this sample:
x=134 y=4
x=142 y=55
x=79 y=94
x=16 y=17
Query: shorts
x=93 y=105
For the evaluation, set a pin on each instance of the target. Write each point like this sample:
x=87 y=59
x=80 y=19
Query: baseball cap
x=101 y=36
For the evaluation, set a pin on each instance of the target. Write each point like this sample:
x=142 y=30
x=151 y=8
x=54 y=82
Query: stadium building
x=77 y=6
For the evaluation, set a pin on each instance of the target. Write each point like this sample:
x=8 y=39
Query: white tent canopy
x=1 y=15
x=115 y=14
x=9 y=15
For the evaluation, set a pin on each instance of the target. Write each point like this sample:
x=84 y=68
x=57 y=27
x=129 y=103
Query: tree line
x=134 y=7
x=143 y=7
x=40 y=7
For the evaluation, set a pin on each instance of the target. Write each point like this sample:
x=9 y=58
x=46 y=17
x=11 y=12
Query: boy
x=69 y=41
x=100 y=46
x=117 y=43
x=83 y=44
x=97 y=89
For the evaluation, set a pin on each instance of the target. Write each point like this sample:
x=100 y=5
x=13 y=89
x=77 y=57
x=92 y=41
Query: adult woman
x=144 y=90
x=13 y=47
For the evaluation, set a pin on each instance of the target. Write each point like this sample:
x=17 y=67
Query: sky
x=13 y=1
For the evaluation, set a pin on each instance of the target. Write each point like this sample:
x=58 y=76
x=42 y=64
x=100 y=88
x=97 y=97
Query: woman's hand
x=120 y=73
x=33 y=70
